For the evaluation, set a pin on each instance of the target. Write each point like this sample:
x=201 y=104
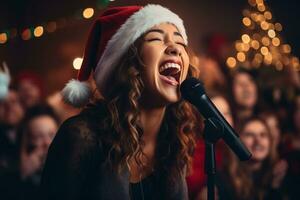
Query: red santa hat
x=110 y=37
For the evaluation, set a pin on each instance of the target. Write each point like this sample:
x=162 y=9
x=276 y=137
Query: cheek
x=247 y=141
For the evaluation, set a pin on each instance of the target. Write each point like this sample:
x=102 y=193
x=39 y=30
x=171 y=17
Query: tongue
x=171 y=78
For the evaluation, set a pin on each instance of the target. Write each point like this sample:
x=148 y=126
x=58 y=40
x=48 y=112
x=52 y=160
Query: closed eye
x=182 y=44
x=154 y=39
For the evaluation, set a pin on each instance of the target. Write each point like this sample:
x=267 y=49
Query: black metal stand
x=213 y=131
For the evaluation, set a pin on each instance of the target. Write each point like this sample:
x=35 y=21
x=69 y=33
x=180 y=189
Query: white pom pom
x=76 y=93
x=4 y=81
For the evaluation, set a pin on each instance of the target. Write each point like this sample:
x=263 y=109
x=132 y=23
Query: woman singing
x=136 y=141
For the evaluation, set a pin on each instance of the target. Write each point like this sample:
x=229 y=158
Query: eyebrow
x=162 y=32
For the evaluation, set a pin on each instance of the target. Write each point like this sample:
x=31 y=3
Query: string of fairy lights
x=37 y=31
x=260 y=43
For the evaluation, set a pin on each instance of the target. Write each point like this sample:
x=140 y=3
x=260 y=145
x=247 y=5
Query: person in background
x=30 y=89
x=291 y=148
x=10 y=117
x=262 y=177
x=245 y=95
x=35 y=134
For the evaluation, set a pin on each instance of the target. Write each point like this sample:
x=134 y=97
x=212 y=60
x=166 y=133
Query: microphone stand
x=213 y=131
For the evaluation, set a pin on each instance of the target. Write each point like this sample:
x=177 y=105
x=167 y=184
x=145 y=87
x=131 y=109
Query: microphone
x=193 y=91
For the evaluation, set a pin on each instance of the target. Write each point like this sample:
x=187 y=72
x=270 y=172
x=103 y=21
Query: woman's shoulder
x=87 y=124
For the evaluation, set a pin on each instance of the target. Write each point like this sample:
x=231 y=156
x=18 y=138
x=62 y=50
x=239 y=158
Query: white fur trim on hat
x=136 y=25
x=76 y=93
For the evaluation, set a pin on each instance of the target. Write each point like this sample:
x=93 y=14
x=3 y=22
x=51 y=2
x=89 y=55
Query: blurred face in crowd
x=42 y=130
x=30 y=93
x=12 y=111
x=223 y=106
x=166 y=63
x=244 y=90
x=256 y=137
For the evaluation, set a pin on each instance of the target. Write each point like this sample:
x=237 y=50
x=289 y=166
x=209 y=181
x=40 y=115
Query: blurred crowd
x=263 y=108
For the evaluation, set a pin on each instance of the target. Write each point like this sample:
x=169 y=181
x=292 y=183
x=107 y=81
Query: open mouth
x=170 y=72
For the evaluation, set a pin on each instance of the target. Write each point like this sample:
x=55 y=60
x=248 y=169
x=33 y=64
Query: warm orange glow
x=261 y=7
x=231 y=62
x=246 y=21
x=255 y=44
x=276 y=41
x=88 y=13
x=252 y=2
x=77 y=62
x=38 y=31
x=264 y=25
x=268 y=15
x=3 y=38
x=271 y=33
x=264 y=50
x=241 y=56
x=286 y=48
x=245 y=38
x=26 y=34
x=265 y=41
x=278 y=27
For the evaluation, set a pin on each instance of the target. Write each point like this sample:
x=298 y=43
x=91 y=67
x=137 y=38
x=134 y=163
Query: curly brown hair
x=122 y=100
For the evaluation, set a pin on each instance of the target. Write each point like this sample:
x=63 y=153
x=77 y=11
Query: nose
x=173 y=50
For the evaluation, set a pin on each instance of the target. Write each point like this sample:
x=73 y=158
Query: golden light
x=38 y=31
x=265 y=41
x=231 y=62
x=260 y=18
x=241 y=56
x=278 y=27
x=239 y=46
x=88 y=13
x=276 y=41
x=51 y=27
x=255 y=44
x=264 y=25
x=245 y=38
x=77 y=62
x=271 y=33
x=295 y=62
x=278 y=65
x=286 y=48
x=264 y=50
x=252 y=2
x=260 y=1
x=268 y=59
x=271 y=26
x=268 y=15
x=246 y=21
x=253 y=16
x=3 y=38
x=246 y=46
x=261 y=7
x=26 y=34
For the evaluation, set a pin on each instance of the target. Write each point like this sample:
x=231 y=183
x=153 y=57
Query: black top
x=144 y=189
x=77 y=166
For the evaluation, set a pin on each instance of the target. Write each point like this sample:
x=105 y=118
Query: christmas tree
x=260 y=43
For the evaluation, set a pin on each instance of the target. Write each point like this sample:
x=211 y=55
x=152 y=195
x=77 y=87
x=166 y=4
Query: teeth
x=169 y=65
